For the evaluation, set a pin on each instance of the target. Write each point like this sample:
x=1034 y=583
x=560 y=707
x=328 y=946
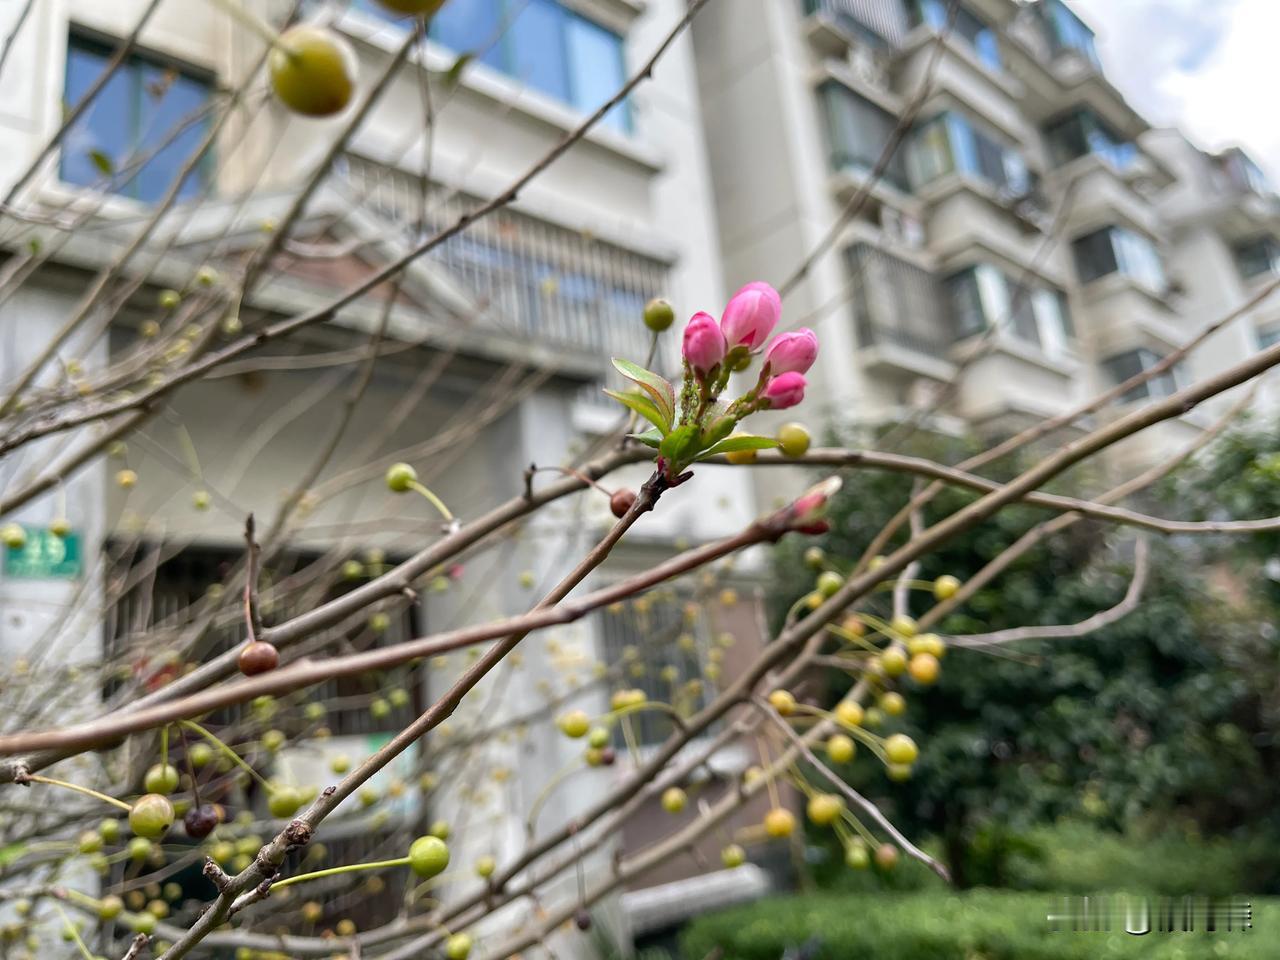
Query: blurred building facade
x=1030 y=243
x=495 y=347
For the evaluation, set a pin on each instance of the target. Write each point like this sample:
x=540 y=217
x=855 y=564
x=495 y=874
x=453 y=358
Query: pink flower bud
x=704 y=345
x=792 y=352
x=784 y=390
x=751 y=315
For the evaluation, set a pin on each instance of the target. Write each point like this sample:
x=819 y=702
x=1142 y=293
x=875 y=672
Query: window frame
x=1270 y=260
x=1127 y=249
x=836 y=96
x=500 y=55
x=1164 y=385
x=1095 y=137
x=971 y=148
x=102 y=48
x=992 y=295
x=979 y=35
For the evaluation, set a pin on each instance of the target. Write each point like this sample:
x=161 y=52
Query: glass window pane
x=930 y=153
x=966 y=303
x=105 y=129
x=1095 y=256
x=859 y=132
x=597 y=69
x=964 y=150
x=471 y=27
x=535 y=48
x=1138 y=258
x=173 y=128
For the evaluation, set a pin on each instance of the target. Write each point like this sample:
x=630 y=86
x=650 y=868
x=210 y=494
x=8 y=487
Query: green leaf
x=743 y=441
x=104 y=163
x=664 y=395
x=680 y=444
x=650 y=438
x=642 y=405
x=453 y=76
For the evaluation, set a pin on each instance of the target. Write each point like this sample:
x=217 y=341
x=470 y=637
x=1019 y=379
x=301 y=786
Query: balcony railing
x=897 y=303
x=873 y=20
x=525 y=277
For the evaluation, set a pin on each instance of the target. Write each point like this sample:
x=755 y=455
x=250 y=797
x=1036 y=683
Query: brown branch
x=1104 y=618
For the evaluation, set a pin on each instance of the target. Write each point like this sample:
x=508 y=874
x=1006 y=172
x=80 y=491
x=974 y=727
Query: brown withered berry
x=621 y=502
x=258 y=657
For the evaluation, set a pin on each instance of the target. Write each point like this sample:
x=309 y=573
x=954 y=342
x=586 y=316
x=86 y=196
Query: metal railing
x=885 y=22
x=525 y=277
x=898 y=303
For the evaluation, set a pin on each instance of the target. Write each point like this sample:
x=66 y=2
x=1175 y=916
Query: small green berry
x=428 y=856
x=658 y=315
x=401 y=477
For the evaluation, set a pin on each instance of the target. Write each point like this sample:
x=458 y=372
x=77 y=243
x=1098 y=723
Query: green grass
x=978 y=925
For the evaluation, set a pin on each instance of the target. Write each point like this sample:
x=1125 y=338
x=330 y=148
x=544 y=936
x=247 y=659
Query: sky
x=1209 y=66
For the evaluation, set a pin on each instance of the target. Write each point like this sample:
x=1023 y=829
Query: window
x=1067 y=32
x=952 y=142
x=542 y=44
x=1257 y=256
x=1117 y=250
x=141 y=129
x=1245 y=174
x=984 y=295
x=1082 y=132
x=859 y=132
x=980 y=37
x=1267 y=338
x=1122 y=366
x=656 y=642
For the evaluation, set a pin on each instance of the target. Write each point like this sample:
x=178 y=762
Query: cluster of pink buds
x=699 y=424
x=714 y=351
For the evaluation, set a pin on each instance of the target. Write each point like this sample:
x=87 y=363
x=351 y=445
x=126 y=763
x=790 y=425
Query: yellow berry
x=849 y=712
x=893 y=661
x=945 y=587
x=575 y=724
x=825 y=808
x=923 y=668
x=840 y=749
x=893 y=704
x=779 y=822
x=903 y=626
x=794 y=439
x=900 y=748
x=673 y=800
x=313 y=71
x=783 y=702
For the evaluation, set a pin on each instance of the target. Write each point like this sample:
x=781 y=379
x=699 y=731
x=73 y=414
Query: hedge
x=978 y=925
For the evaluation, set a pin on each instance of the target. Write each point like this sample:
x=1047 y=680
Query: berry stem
x=75 y=934
x=432 y=499
x=347 y=868
x=37 y=778
x=765 y=764
x=226 y=751
x=164 y=746
x=247 y=18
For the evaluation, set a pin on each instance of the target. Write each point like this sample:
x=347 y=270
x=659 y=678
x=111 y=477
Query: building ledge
x=900 y=359
x=664 y=906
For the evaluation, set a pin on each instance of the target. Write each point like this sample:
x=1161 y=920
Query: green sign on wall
x=44 y=557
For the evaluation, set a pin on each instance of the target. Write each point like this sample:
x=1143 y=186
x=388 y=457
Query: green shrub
x=977 y=925
x=1073 y=857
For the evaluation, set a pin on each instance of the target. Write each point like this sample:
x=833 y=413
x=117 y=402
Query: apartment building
x=495 y=349
x=1030 y=242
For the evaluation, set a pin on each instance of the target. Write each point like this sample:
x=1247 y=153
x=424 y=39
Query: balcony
x=899 y=315
x=834 y=25
x=516 y=276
